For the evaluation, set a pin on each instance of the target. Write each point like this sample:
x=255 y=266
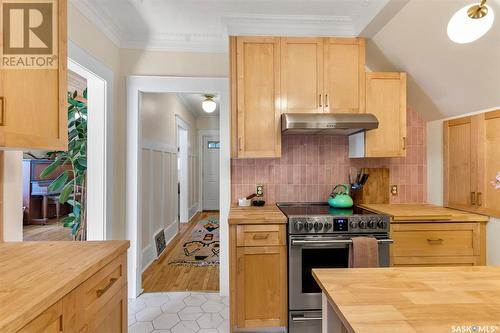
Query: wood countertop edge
x=269 y=214
x=337 y=310
x=28 y=314
x=460 y=217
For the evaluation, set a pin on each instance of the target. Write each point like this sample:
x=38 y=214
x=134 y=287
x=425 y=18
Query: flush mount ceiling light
x=470 y=23
x=209 y=105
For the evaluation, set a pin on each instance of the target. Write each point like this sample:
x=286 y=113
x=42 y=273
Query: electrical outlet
x=394 y=190
x=260 y=190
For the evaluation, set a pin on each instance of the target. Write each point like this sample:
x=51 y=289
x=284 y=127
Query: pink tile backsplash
x=311 y=165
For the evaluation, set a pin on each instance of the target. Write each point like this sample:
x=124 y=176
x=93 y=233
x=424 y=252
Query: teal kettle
x=340 y=197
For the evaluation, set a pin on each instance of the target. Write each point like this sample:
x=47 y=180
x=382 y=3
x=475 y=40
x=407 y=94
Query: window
x=213 y=145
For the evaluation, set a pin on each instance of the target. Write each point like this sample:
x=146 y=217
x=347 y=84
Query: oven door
x=309 y=252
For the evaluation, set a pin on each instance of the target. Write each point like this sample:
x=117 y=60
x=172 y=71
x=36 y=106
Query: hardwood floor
x=161 y=276
x=52 y=231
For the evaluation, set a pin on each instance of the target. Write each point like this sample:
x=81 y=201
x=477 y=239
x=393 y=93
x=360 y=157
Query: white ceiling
x=193 y=103
x=446 y=79
x=203 y=25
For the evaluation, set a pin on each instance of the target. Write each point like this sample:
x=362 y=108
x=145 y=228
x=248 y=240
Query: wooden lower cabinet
x=258 y=276
x=438 y=244
x=98 y=305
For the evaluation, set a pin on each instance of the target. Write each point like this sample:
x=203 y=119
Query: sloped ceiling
x=445 y=79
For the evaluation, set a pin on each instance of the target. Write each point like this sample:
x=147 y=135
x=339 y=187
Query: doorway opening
x=50 y=214
x=180 y=193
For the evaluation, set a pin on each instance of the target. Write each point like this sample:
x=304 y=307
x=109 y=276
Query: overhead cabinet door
x=258 y=97
x=344 y=75
x=302 y=75
x=33 y=82
x=460 y=156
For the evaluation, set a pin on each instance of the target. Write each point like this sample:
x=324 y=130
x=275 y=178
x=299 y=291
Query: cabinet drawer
x=98 y=290
x=435 y=239
x=261 y=235
x=435 y=261
x=49 y=321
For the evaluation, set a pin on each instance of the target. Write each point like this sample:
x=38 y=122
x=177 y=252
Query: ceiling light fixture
x=209 y=105
x=470 y=23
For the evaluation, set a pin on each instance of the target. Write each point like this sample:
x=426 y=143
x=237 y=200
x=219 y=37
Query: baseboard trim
x=149 y=252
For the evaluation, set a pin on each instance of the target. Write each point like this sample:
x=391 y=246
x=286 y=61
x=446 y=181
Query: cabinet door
x=258 y=97
x=33 y=102
x=261 y=287
x=488 y=195
x=302 y=75
x=460 y=154
x=49 y=321
x=386 y=99
x=344 y=75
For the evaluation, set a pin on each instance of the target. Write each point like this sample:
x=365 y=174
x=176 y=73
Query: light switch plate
x=260 y=190
x=394 y=190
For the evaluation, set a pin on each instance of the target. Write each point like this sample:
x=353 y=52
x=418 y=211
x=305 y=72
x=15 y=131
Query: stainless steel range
x=319 y=237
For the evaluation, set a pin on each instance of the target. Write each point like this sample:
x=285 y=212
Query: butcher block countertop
x=424 y=213
x=34 y=275
x=256 y=215
x=416 y=299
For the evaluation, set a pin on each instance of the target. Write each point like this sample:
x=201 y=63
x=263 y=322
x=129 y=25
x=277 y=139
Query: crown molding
x=178 y=42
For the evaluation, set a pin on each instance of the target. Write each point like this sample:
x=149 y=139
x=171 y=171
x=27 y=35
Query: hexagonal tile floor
x=179 y=312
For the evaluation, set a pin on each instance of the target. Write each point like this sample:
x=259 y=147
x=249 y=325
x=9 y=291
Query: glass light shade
x=208 y=105
x=462 y=29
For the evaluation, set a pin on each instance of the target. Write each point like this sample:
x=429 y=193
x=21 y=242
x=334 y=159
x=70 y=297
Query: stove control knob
x=372 y=224
x=382 y=224
x=353 y=224
x=318 y=226
x=328 y=225
x=362 y=224
x=299 y=226
x=309 y=226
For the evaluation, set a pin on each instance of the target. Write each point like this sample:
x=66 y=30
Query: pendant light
x=209 y=105
x=470 y=23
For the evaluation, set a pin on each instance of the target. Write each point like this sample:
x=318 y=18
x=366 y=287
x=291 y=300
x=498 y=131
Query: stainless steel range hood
x=327 y=123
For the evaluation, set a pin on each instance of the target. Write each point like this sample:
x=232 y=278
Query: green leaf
x=66 y=192
x=50 y=169
x=68 y=219
x=76 y=211
x=59 y=182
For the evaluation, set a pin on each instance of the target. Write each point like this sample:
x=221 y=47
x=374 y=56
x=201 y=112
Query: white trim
x=140 y=84
x=100 y=159
x=201 y=134
x=158 y=146
x=149 y=254
x=183 y=173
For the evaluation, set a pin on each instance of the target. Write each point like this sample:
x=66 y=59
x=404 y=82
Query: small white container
x=244 y=202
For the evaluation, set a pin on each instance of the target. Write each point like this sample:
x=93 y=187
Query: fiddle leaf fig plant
x=71 y=183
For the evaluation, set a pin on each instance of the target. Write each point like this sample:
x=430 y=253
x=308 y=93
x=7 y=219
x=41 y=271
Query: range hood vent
x=327 y=123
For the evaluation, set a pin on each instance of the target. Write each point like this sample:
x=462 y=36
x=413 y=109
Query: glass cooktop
x=316 y=209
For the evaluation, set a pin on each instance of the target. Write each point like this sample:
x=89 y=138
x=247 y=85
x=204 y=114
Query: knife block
x=377 y=188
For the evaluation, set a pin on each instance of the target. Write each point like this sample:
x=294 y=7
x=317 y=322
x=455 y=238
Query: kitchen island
x=410 y=299
x=63 y=287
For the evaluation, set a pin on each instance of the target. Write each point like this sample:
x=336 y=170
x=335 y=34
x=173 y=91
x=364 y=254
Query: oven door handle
x=302 y=319
x=334 y=241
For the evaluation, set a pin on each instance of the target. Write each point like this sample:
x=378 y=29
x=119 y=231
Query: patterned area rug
x=202 y=249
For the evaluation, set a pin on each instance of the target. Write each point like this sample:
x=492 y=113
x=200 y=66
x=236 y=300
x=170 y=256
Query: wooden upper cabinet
x=386 y=99
x=258 y=97
x=302 y=75
x=33 y=98
x=344 y=75
x=488 y=195
x=460 y=167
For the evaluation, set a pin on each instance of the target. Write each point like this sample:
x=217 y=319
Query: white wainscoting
x=159 y=196
x=193 y=185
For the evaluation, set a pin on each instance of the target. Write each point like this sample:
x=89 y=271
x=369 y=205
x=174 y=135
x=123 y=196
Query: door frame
x=136 y=85
x=100 y=159
x=183 y=175
x=201 y=135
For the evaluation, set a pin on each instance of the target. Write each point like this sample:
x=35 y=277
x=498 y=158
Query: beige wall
x=435 y=184
x=208 y=123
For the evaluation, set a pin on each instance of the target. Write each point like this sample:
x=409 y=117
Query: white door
x=210 y=168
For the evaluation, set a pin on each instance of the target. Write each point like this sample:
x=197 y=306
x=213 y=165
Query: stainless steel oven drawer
x=304 y=322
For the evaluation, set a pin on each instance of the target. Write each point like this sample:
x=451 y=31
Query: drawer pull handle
x=101 y=292
x=260 y=236
x=320 y=100
x=2 y=111
x=479 y=201
x=473 y=198
x=435 y=240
